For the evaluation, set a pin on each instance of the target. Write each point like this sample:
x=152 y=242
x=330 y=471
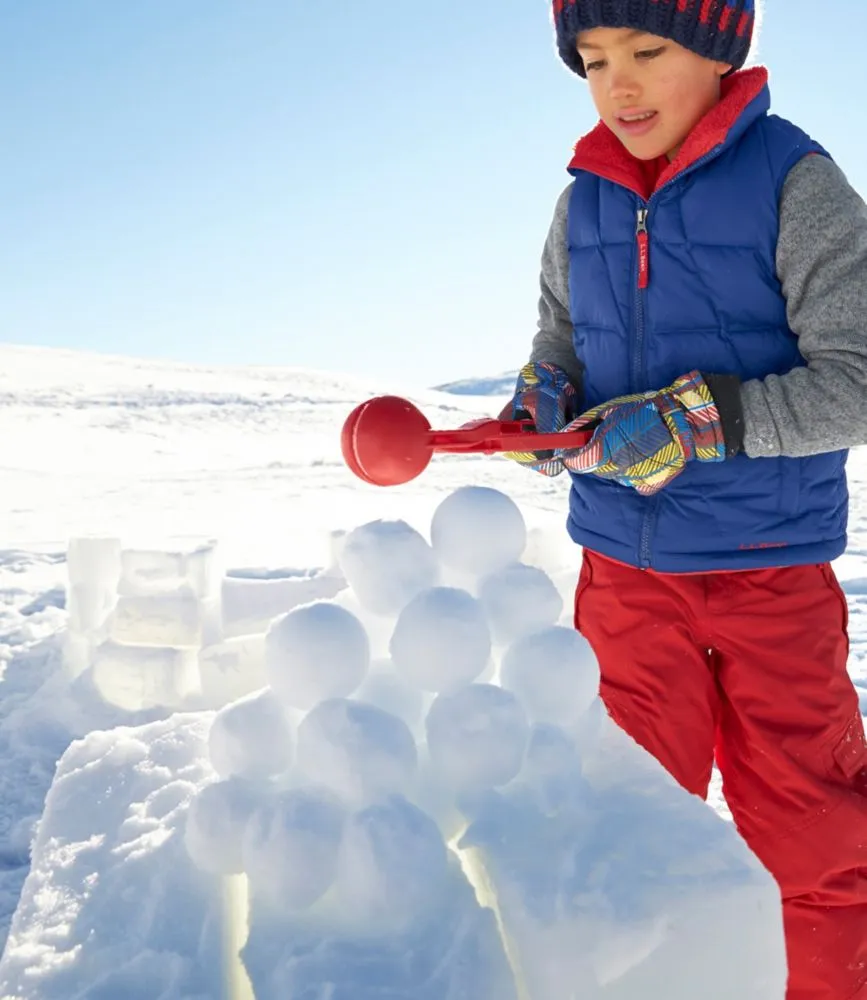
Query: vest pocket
x=790 y=485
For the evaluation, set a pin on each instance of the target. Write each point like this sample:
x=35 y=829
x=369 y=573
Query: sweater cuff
x=726 y=391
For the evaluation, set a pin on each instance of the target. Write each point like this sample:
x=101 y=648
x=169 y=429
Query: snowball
x=251 y=738
x=478 y=530
x=316 y=652
x=387 y=563
x=550 y=752
x=386 y=690
x=477 y=736
x=356 y=750
x=441 y=640
x=519 y=599
x=554 y=674
x=215 y=825
x=391 y=868
x=553 y=768
x=290 y=848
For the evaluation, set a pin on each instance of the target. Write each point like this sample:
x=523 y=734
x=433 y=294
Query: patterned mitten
x=645 y=441
x=545 y=395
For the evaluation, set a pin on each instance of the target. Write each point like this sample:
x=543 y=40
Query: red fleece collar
x=601 y=152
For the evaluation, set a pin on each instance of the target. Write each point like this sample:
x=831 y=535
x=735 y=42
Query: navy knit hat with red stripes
x=716 y=29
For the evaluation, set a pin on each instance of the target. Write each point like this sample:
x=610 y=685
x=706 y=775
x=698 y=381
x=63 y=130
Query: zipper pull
x=643 y=239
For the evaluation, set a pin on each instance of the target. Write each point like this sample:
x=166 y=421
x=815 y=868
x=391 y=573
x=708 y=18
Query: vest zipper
x=642 y=239
x=647 y=524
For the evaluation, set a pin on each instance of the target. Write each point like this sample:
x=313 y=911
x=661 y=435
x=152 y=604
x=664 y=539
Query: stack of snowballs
x=440 y=674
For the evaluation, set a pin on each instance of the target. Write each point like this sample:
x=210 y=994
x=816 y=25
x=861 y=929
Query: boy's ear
x=724 y=68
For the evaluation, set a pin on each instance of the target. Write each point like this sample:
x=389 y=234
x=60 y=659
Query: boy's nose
x=622 y=86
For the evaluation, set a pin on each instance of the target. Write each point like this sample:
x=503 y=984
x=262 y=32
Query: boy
x=704 y=304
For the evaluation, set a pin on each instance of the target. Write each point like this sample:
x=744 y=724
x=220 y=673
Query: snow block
x=232 y=668
x=94 y=562
x=141 y=677
x=112 y=906
x=455 y=953
x=176 y=619
x=629 y=887
x=156 y=603
x=148 y=572
x=250 y=605
x=78 y=653
x=90 y=607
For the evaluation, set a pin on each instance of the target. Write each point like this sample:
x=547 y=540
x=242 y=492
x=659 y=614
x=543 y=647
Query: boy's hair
x=716 y=29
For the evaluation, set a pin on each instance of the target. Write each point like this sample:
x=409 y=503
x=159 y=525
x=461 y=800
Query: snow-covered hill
x=495 y=385
x=99 y=445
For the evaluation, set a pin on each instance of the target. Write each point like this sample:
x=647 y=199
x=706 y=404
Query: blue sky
x=361 y=187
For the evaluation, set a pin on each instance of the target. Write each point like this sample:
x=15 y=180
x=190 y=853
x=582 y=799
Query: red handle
x=491 y=436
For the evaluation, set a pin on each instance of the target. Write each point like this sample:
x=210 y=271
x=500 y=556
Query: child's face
x=633 y=72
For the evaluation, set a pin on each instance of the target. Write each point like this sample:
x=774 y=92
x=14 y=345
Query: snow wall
x=409 y=790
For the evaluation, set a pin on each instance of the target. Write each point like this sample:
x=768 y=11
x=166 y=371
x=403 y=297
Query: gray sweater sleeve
x=822 y=265
x=553 y=341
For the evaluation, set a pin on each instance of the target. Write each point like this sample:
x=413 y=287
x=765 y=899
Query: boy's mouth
x=637 y=123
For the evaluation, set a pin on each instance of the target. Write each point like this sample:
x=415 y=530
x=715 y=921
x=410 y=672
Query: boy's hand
x=545 y=395
x=644 y=441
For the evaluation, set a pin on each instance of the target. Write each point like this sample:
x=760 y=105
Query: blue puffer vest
x=712 y=302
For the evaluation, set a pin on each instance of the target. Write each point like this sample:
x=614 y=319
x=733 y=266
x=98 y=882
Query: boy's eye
x=645 y=54
x=650 y=53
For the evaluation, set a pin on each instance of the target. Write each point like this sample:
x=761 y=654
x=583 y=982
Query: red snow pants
x=749 y=668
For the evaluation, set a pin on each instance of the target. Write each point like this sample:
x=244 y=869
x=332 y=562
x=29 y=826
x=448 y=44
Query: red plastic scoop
x=387 y=440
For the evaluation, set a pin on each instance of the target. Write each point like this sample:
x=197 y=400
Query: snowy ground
x=149 y=452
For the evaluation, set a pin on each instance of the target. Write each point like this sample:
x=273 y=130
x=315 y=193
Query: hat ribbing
x=716 y=29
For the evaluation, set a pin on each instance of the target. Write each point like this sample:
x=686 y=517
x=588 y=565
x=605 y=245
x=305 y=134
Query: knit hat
x=716 y=29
